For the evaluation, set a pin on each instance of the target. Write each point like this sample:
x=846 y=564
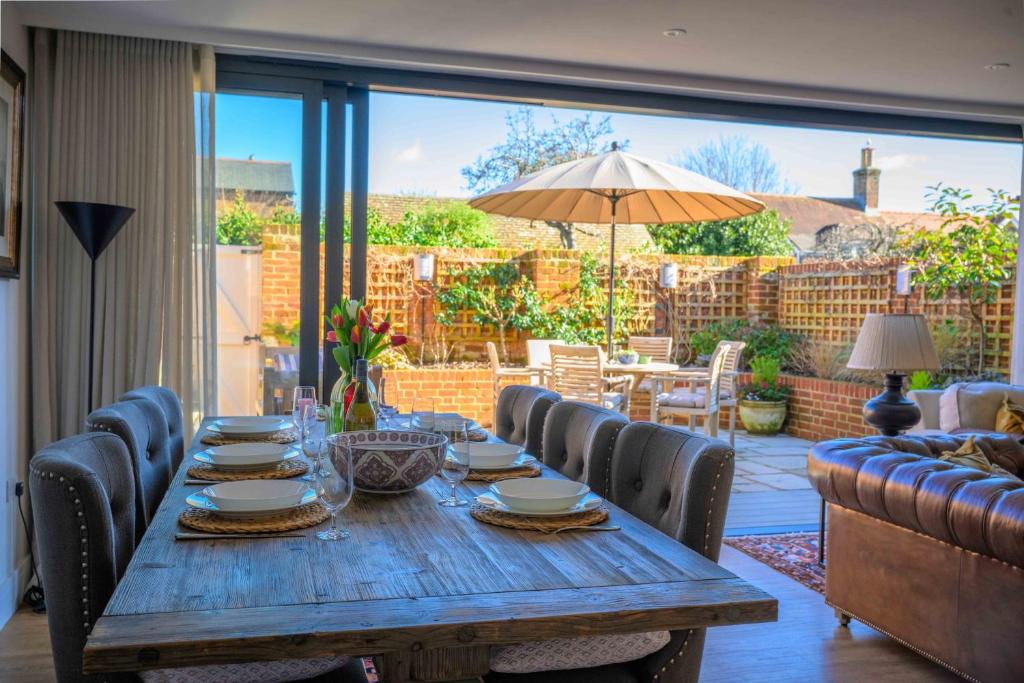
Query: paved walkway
x=770 y=492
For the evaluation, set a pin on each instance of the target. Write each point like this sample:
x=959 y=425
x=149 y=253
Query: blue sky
x=419 y=144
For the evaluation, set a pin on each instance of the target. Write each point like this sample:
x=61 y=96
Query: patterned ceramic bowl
x=392 y=461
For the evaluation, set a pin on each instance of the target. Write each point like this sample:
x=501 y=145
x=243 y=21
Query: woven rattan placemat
x=284 y=470
x=299 y=518
x=283 y=436
x=546 y=524
x=526 y=471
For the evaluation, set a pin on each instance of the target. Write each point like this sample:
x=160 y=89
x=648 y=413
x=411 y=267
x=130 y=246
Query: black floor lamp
x=95 y=226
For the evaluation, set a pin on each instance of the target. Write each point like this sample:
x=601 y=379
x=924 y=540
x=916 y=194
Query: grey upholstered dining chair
x=143 y=428
x=520 y=414
x=578 y=442
x=171 y=405
x=83 y=503
x=678 y=482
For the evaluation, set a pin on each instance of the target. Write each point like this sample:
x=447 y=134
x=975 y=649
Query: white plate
x=489 y=456
x=523 y=460
x=590 y=502
x=266 y=496
x=249 y=426
x=200 y=501
x=246 y=456
x=539 y=495
x=446 y=422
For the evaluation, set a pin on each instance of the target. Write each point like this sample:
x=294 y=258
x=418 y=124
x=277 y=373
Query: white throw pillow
x=576 y=653
x=281 y=671
x=949 y=408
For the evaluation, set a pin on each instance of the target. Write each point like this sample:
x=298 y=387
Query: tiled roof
x=255 y=175
x=811 y=214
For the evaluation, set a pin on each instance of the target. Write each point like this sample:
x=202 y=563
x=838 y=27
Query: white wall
x=14 y=385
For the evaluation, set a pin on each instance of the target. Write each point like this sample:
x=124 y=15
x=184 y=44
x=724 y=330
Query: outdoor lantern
x=669 y=276
x=424 y=267
x=903 y=280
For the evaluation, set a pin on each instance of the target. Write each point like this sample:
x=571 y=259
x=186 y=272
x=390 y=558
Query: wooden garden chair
x=578 y=374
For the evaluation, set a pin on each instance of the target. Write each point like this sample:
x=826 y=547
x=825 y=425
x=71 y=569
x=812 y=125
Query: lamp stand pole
x=92 y=330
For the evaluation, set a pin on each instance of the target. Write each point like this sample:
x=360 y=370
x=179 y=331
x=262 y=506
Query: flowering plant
x=356 y=334
x=765 y=385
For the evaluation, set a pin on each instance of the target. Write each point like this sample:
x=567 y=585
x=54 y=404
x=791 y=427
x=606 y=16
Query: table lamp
x=95 y=226
x=895 y=344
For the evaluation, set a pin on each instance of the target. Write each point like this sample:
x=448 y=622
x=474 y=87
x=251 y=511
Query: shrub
x=817 y=358
x=764 y=384
x=239 y=225
x=920 y=380
x=764 y=233
x=763 y=339
x=452 y=224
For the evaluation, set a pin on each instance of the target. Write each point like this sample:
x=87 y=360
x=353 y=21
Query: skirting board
x=12 y=588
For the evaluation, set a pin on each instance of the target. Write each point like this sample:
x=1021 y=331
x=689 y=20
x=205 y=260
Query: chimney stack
x=865 y=181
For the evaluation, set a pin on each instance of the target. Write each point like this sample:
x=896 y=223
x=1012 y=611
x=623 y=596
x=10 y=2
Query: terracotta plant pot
x=762 y=417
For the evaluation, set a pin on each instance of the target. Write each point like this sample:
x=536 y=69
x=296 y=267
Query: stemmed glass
x=304 y=408
x=422 y=418
x=314 y=450
x=335 y=482
x=456 y=468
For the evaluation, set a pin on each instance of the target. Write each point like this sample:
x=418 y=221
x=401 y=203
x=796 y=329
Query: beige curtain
x=115 y=122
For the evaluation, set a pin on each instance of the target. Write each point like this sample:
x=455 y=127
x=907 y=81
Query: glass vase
x=341 y=396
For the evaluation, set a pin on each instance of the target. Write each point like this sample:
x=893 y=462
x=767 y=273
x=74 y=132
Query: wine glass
x=313 y=449
x=335 y=482
x=304 y=408
x=422 y=418
x=456 y=466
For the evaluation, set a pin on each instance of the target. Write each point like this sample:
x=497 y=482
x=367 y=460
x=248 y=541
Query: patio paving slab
x=748 y=467
x=779 y=462
x=785 y=482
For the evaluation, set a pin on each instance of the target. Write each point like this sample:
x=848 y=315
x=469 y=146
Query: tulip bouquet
x=357 y=336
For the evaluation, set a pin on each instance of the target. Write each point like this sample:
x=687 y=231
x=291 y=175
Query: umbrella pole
x=611 y=281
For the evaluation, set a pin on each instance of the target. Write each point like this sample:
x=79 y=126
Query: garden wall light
x=668 y=277
x=424 y=267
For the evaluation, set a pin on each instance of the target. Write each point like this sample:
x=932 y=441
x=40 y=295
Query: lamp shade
x=95 y=225
x=894 y=343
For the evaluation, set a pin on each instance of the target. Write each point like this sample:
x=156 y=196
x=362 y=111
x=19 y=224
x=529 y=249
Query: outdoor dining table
x=425 y=589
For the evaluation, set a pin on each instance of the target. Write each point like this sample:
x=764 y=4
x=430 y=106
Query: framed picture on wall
x=12 y=149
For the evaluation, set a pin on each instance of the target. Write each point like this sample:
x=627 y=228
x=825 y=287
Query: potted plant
x=762 y=403
x=355 y=335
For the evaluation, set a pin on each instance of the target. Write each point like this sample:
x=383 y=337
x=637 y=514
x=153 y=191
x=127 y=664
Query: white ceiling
x=890 y=55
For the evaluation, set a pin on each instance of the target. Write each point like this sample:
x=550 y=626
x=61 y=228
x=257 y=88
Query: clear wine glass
x=456 y=466
x=423 y=418
x=313 y=448
x=304 y=407
x=335 y=483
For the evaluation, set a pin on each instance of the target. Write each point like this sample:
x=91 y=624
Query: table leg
x=437 y=664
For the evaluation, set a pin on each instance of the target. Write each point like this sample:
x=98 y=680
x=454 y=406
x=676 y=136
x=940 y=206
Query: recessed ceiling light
x=674 y=32
x=999 y=66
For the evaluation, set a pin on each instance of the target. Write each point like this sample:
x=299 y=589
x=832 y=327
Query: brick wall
x=821 y=409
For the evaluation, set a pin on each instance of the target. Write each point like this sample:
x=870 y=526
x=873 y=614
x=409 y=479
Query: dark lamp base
x=891 y=412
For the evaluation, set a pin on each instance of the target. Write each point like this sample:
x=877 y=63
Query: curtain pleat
x=116 y=123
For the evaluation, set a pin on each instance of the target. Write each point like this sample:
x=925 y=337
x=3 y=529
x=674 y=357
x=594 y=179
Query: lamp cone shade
x=95 y=225
x=650 y=192
x=894 y=342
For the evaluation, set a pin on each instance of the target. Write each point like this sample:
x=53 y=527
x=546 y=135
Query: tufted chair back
x=678 y=482
x=171 y=405
x=83 y=503
x=520 y=413
x=578 y=442
x=143 y=428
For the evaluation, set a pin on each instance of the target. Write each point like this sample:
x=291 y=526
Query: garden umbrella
x=616 y=186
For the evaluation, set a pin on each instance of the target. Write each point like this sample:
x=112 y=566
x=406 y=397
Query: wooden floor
x=806 y=644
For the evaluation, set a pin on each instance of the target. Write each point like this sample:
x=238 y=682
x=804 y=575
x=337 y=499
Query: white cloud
x=897 y=161
x=411 y=154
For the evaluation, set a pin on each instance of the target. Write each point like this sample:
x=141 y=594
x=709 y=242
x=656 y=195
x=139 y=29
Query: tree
x=239 y=225
x=972 y=254
x=528 y=149
x=760 y=234
x=495 y=294
x=453 y=224
x=738 y=162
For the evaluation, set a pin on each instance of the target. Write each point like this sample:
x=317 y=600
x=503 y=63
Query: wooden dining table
x=426 y=590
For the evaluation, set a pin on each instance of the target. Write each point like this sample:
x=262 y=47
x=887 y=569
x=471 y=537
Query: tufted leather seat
x=520 y=414
x=143 y=428
x=678 y=482
x=171 y=405
x=578 y=442
x=929 y=552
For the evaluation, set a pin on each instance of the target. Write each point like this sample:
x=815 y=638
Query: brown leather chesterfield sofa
x=929 y=553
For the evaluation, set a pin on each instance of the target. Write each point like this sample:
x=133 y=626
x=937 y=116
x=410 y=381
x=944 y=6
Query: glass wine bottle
x=360 y=414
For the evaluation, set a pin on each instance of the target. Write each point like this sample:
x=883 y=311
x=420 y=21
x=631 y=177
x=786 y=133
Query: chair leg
x=691 y=422
x=732 y=426
x=711 y=424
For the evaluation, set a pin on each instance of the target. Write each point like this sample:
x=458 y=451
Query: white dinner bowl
x=246 y=456
x=488 y=455
x=539 y=495
x=249 y=425
x=256 y=495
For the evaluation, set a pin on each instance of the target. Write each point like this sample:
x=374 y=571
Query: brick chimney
x=865 y=181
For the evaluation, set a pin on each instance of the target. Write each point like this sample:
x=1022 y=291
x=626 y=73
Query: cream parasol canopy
x=616 y=187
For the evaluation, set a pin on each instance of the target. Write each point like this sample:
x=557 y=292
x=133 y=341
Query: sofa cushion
x=973 y=405
x=1010 y=417
x=971 y=455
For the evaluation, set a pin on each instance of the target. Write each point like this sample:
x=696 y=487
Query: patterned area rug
x=371 y=670
x=795 y=555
